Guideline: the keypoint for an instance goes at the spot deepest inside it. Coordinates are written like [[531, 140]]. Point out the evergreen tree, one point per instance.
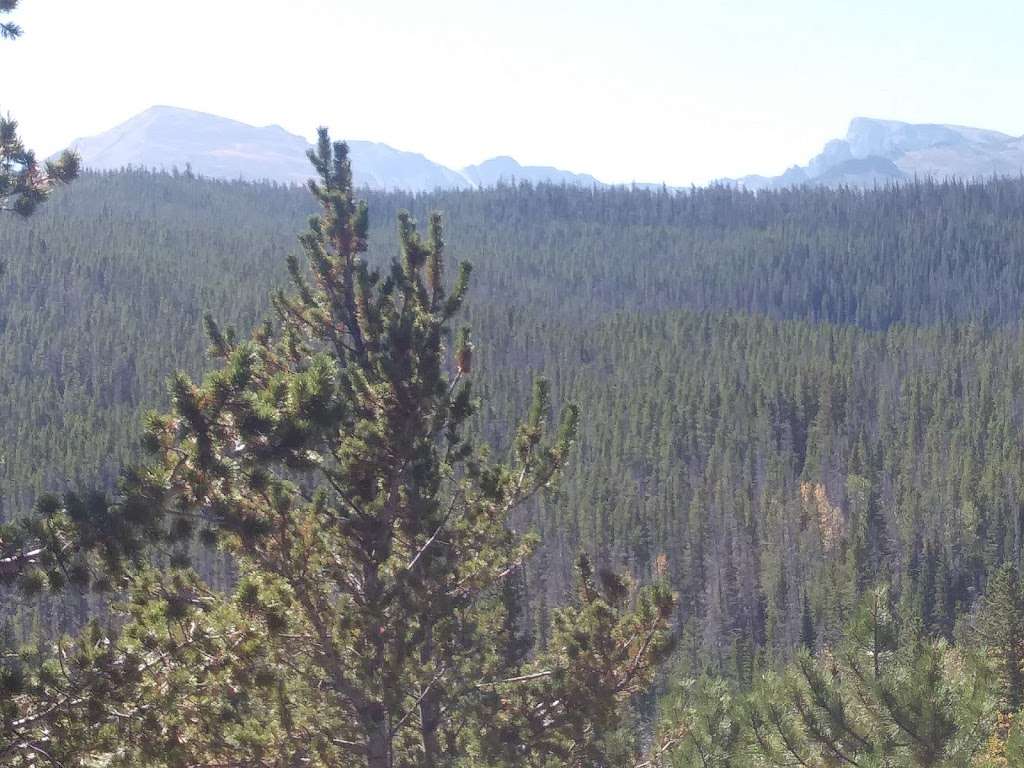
[[874, 701], [58, 698], [329, 455], [808, 638], [705, 727], [567, 710], [699, 421], [1001, 630], [24, 184], [8, 29]]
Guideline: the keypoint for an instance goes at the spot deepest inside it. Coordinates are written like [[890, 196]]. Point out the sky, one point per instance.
[[681, 91]]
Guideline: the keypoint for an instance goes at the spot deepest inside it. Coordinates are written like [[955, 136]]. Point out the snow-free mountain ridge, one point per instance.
[[499, 169], [874, 152], [877, 152], [168, 137]]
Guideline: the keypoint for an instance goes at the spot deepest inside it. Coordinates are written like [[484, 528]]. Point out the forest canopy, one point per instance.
[[801, 418]]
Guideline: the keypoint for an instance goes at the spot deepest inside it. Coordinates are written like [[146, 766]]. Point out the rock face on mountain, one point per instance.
[[169, 137], [884, 151]]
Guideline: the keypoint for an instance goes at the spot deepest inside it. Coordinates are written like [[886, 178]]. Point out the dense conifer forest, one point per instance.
[[800, 411]]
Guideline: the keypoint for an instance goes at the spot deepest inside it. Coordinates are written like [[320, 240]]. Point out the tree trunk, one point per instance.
[[430, 709], [378, 746]]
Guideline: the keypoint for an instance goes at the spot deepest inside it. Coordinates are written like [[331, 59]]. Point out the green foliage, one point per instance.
[[782, 464], [329, 455], [24, 184], [876, 700], [566, 707], [882, 697], [1000, 628], [706, 727], [768, 458]]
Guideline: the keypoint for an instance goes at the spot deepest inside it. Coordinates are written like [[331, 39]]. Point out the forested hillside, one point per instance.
[[790, 395], [103, 298]]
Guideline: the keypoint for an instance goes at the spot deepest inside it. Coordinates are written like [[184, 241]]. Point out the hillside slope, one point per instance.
[[790, 395]]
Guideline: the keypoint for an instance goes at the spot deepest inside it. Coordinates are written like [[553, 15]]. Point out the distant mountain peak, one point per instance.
[[505, 169], [166, 137], [877, 151], [219, 147]]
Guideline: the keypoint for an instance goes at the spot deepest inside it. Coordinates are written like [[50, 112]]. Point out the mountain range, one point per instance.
[[874, 152], [169, 137]]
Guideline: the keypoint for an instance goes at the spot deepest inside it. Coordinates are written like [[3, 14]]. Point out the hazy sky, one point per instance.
[[646, 90]]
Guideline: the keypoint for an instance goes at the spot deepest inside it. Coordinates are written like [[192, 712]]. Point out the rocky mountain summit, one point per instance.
[[877, 152]]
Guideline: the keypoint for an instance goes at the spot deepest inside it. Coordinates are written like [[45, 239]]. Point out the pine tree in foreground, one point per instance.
[[1001, 630], [24, 183], [65, 700], [877, 700], [703, 727], [369, 625], [8, 29]]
